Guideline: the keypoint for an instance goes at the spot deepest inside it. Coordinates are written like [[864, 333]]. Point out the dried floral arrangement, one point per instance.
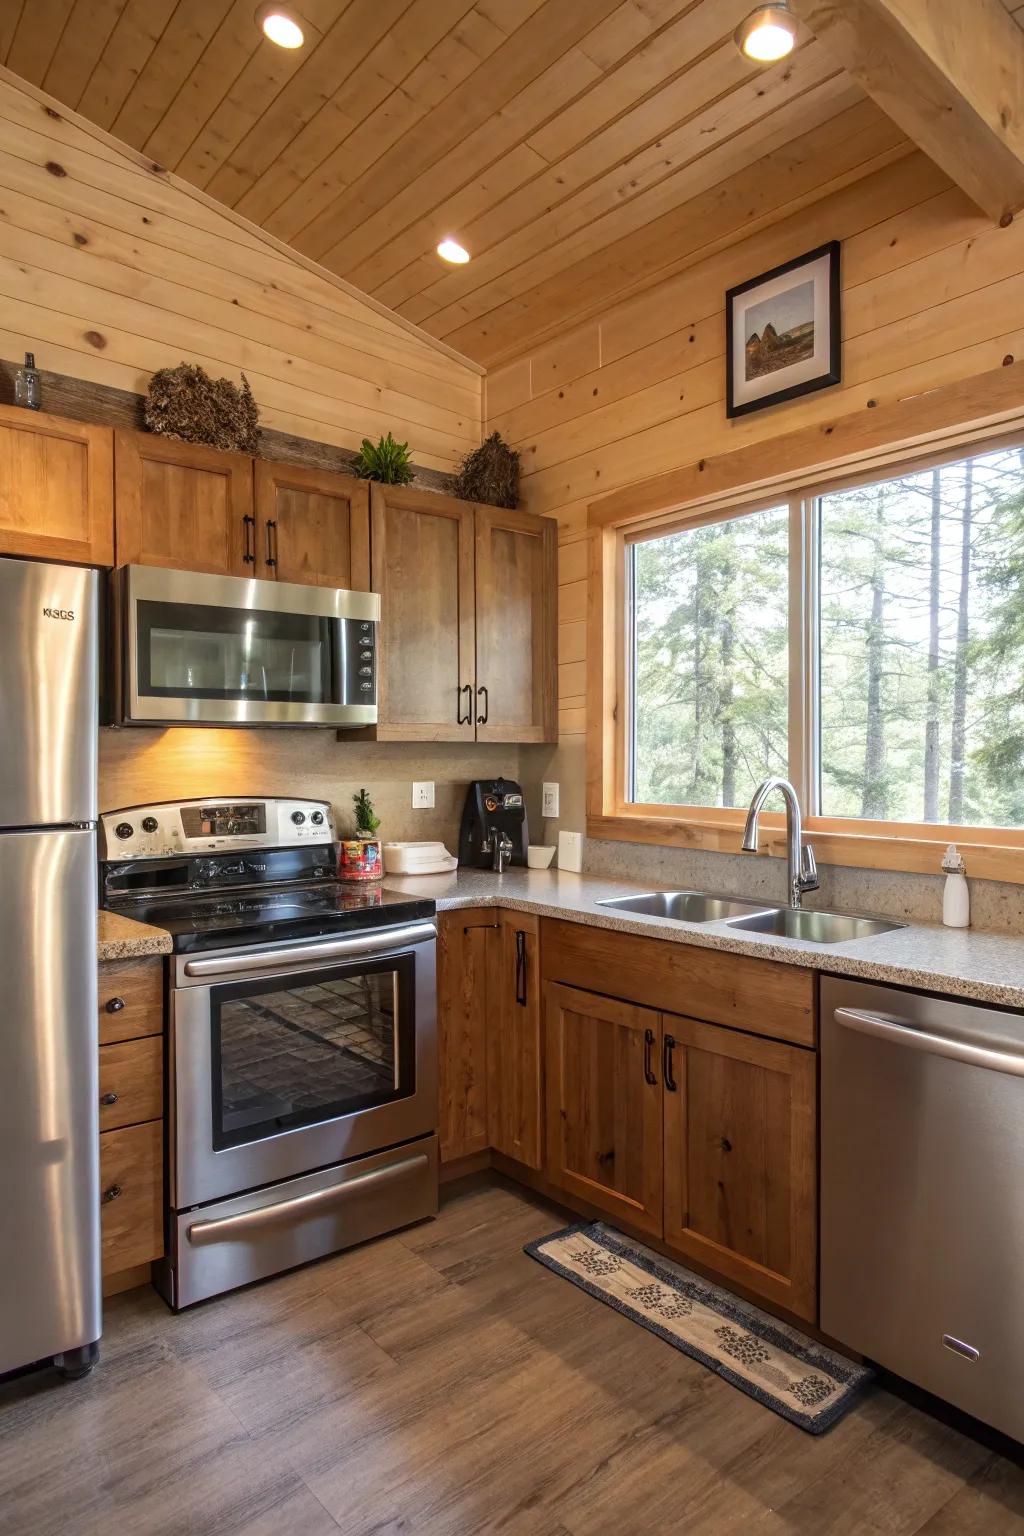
[[185, 403], [490, 474]]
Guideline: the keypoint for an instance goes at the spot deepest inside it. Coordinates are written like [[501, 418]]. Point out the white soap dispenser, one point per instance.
[[956, 898]]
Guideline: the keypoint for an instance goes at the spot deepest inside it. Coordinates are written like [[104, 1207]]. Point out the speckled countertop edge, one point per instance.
[[985, 967], [122, 938]]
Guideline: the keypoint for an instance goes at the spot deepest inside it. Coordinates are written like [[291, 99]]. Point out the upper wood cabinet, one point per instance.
[[604, 1104], [740, 1159], [183, 506], [422, 566], [312, 527], [56, 488], [468, 638], [516, 625]]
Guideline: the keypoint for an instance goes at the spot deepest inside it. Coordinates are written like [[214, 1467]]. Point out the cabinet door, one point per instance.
[[466, 944], [604, 1104], [516, 617], [56, 488], [514, 1057], [183, 506], [422, 566], [740, 1156], [313, 527]]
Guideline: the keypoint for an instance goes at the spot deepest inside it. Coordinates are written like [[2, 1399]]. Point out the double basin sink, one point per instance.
[[752, 916]]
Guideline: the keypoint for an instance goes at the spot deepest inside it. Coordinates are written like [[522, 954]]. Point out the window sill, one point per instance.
[[900, 851]]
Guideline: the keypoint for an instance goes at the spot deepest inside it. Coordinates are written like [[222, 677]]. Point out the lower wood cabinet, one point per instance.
[[489, 1035], [131, 997], [132, 1196], [604, 1104], [514, 1058], [740, 1163]]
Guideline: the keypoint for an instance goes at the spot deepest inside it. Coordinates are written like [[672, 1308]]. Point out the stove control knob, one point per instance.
[[316, 817], [149, 823], [124, 829], [298, 817]]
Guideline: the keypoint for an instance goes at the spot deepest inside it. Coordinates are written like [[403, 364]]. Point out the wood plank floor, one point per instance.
[[439, 1381]]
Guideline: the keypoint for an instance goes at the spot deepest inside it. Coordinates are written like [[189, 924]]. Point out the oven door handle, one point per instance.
[[223, 1229], [243, 963]]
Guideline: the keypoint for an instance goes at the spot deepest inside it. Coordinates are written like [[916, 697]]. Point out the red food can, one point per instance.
[[359, 858]]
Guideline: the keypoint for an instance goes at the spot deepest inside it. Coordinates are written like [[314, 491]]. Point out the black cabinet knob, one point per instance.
[[113, 1193], [108, 1098], [114, 1004]]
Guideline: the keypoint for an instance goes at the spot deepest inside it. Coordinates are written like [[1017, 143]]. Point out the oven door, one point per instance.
[[220, 650], [296, 1056]]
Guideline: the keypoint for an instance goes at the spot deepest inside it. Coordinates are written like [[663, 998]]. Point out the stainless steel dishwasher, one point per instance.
[[922, 1192]]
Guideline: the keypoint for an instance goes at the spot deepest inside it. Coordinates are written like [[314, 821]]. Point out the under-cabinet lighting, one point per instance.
[[280, 27], [450, 250], [768, 33]]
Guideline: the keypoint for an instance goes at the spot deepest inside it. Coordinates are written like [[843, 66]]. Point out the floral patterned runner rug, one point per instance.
[[803, 1381]]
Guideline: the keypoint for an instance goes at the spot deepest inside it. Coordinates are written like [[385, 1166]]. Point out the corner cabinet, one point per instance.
[[468, 619], [489, 1035], [56, 488]]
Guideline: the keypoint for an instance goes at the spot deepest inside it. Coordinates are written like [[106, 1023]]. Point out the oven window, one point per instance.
[[296, 1050], [191, 650]]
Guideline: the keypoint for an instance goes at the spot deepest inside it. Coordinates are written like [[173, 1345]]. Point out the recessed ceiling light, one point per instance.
[[280, 26], [450, 250], [768, 33]]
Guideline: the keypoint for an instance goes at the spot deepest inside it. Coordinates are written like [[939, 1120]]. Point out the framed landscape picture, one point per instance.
[[784, 333]]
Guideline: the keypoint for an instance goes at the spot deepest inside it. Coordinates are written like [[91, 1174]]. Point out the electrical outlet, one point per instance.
[[550, 800], [423, 795], [570, 851]]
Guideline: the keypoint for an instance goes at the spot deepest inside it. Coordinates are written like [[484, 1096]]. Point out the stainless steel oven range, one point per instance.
[[301, 1051]]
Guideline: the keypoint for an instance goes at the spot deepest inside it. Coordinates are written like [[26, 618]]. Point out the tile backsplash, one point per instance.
[[138, 764]]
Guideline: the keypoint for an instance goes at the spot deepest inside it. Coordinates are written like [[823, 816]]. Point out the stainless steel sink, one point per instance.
[[684, 906], [818, 927]]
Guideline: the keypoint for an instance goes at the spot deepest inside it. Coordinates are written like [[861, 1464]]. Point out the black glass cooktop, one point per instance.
[[223, 920]]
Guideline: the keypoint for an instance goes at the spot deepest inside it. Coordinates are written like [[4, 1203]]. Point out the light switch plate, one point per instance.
[[549, 805], [570, 851], [423, 795]]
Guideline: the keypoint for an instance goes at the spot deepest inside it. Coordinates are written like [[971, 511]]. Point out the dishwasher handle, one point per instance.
[[934, 1045]]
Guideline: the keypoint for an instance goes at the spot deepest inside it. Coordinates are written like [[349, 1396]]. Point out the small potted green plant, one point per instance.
[[385, 461], [359, 857]]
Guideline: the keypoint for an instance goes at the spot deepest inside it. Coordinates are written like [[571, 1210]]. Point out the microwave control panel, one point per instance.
[[360, 662], [213, 826]]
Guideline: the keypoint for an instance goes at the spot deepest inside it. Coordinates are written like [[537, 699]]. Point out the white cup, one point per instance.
[[539, 857]]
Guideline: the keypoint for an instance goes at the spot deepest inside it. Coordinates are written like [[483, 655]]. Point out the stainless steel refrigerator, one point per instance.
[[49, 1130]]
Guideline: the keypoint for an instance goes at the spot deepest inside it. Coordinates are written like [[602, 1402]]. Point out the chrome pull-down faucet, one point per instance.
[[801, 869]]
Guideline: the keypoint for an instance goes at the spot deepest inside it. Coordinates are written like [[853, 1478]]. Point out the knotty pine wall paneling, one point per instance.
[[933, 293]]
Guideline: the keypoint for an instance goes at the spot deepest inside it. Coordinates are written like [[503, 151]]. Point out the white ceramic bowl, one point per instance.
[[539, 857]]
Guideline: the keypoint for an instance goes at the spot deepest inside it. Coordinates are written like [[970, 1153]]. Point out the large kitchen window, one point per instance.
[[866, 641]]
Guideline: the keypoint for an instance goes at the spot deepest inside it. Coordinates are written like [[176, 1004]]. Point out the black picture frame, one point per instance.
[[831, 374]]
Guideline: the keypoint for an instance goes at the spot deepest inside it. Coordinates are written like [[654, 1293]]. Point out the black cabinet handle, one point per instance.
[[521, 967], [108, 1098], [666, 1064], [482, 719], [113, 1193], [649, 1076], [466, 688], [271, 542], [249, 525], [114, 1004]]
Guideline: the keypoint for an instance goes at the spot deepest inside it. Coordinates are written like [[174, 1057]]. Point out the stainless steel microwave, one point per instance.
[[195, 649]]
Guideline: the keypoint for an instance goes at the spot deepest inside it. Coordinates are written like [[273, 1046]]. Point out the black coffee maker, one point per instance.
[[493, 832]]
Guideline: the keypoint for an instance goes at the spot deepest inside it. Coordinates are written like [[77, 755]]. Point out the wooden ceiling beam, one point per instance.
[[950, 73]]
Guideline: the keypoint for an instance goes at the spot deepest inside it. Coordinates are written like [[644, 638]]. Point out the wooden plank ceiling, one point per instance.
[[579, 148]]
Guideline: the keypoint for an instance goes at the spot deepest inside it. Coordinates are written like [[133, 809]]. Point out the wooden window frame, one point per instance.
[[912, 847]]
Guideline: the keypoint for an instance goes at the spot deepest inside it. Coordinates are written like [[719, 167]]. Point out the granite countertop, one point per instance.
[[988, 967], [121, 938]]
